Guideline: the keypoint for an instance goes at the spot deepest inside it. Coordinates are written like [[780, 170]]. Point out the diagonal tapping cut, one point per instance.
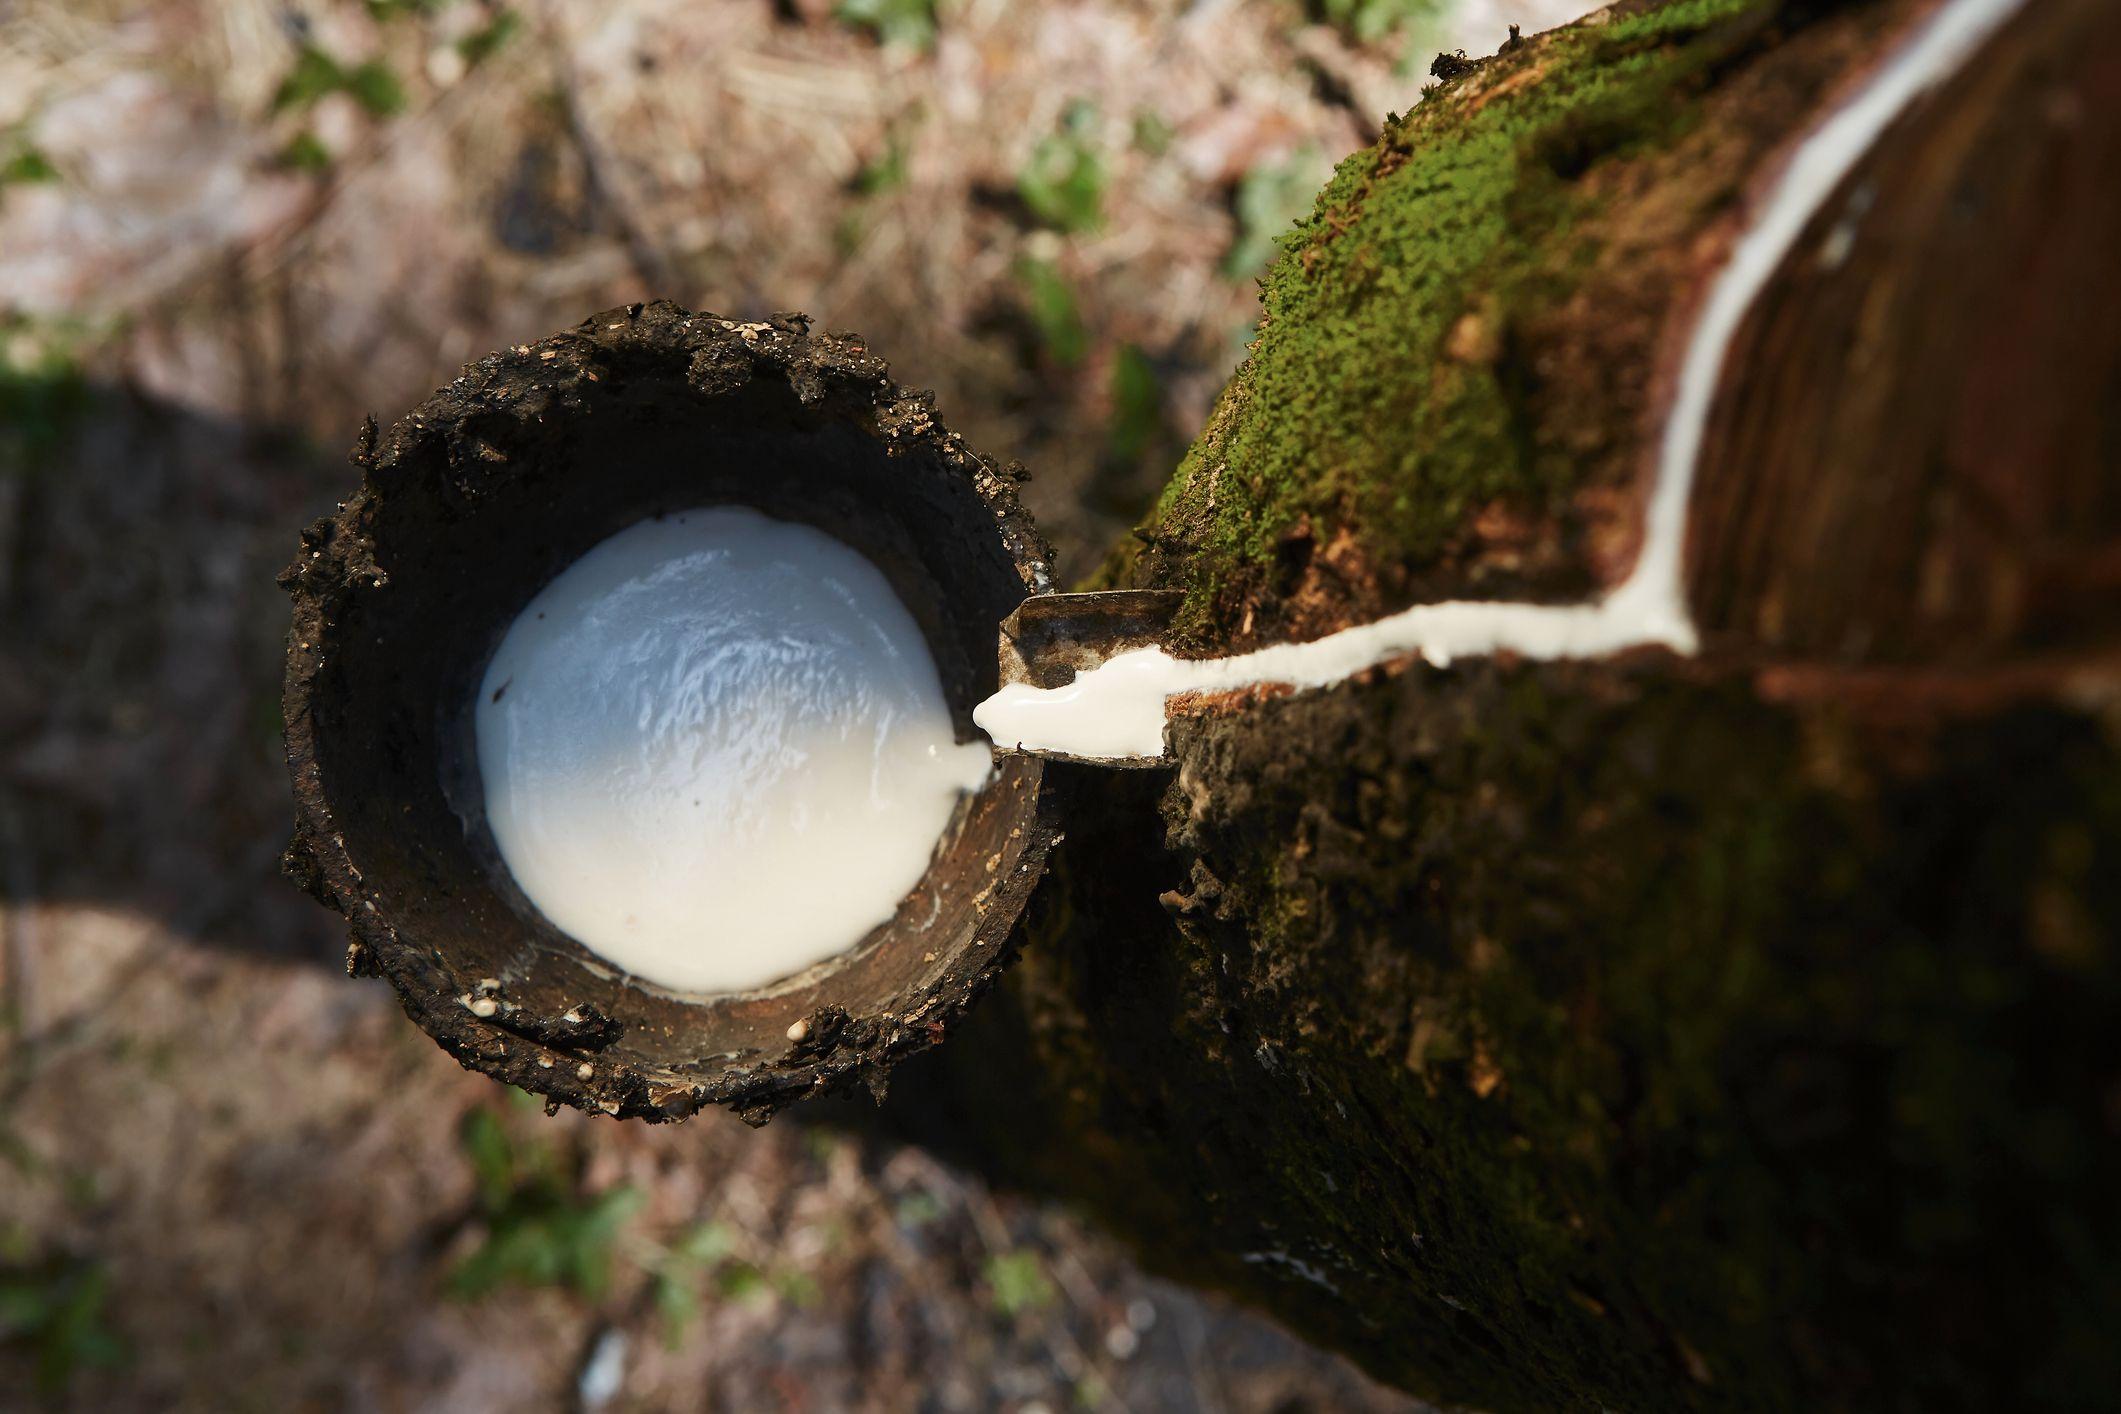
[[1115, 711]]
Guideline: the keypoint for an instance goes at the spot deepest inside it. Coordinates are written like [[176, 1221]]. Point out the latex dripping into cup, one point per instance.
[[678, 727], [629, 714]]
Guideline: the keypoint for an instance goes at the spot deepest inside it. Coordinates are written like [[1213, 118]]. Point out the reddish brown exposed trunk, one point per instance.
[[1913, 460]]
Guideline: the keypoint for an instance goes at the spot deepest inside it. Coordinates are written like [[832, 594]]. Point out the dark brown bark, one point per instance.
[[1740, 1031]]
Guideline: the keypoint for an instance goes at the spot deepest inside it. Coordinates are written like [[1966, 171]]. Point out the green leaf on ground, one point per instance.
[[490, 38], [677, 1301], [906, 23], [1152, 132], [304, 153], [372, 84], [27, 166], [538, 1241], [55, 1311], [1051, 304], [886, 172], [797, 1288], [739, 1281], [1063, 183], [315, 74], [541, 1229], [1019, 1282], [1137, 405], [43, 399], [375, 87]]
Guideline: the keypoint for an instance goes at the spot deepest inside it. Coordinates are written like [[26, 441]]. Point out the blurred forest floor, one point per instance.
[[229, 1178]]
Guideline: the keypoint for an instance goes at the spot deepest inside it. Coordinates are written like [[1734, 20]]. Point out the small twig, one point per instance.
[[605, 192]]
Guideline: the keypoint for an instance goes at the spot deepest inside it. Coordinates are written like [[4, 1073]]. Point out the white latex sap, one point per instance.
[[715, 750], [1117, 709]]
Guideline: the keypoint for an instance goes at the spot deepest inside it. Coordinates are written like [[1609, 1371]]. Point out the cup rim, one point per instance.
[[376, 600]]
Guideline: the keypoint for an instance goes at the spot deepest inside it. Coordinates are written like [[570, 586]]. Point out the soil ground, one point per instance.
[[228, 231]]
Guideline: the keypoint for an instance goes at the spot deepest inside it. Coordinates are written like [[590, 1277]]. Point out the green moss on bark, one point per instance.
[[1407, 377]]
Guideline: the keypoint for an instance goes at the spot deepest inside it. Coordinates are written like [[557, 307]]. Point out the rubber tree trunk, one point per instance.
[[1735, 1030]]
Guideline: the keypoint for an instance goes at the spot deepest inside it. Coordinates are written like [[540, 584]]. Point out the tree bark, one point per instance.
[[1735, 1030]]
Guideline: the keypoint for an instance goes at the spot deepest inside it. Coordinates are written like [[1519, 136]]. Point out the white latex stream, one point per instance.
[[1117, 709]]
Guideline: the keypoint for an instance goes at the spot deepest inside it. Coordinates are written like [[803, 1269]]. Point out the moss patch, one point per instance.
[[1412, 379]]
